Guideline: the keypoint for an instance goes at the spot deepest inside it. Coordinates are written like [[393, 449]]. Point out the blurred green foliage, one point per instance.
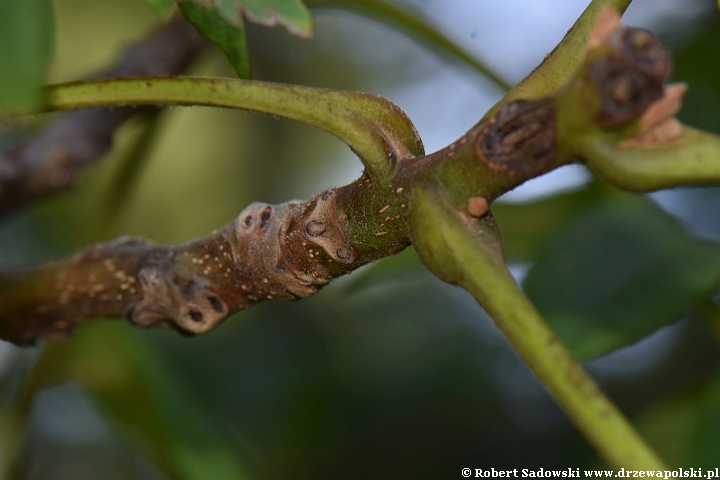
[[386, 374], [292, 14], [701, 106], [617, 272], [162, 7], [227, 37], [685, 426], [132, 387], [26, 36]]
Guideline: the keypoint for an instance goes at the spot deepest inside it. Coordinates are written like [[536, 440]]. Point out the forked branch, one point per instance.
[[612, 113], [288, 251]]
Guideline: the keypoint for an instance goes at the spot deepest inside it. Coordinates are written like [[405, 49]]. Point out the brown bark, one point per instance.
[[270, 252]]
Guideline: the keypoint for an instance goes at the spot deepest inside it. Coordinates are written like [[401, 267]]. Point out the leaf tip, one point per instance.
[[300, 24]]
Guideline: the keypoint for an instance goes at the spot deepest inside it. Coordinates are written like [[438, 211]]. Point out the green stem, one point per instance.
[[692, 159], [466, 252], [562, 63], [594, 414], [373, 127]]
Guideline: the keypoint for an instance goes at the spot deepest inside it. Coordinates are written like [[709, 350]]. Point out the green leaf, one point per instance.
[[140, 397], [26, 35], [414, 25], [228, 38], [162, 8], [617, 273], [292, 14]]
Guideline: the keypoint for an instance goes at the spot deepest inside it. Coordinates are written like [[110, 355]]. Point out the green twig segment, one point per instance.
[[694, 158], [560, 65], [417, 27], [456, 248], [374, 128]]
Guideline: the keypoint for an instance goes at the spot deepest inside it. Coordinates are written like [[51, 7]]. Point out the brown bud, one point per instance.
[[630, 78], [521, 137]]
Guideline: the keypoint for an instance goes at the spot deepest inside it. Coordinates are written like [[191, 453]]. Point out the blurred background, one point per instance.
[[387, 373]]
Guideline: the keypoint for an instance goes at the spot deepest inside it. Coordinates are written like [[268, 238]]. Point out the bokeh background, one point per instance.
[[387, 373]]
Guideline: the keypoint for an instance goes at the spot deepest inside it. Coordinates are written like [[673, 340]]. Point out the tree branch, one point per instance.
[[270, 252], [50, 162], [289, 251], [438, 202]]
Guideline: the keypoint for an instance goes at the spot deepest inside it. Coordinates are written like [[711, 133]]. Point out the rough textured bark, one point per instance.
[[270, 252], [50, 162]]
